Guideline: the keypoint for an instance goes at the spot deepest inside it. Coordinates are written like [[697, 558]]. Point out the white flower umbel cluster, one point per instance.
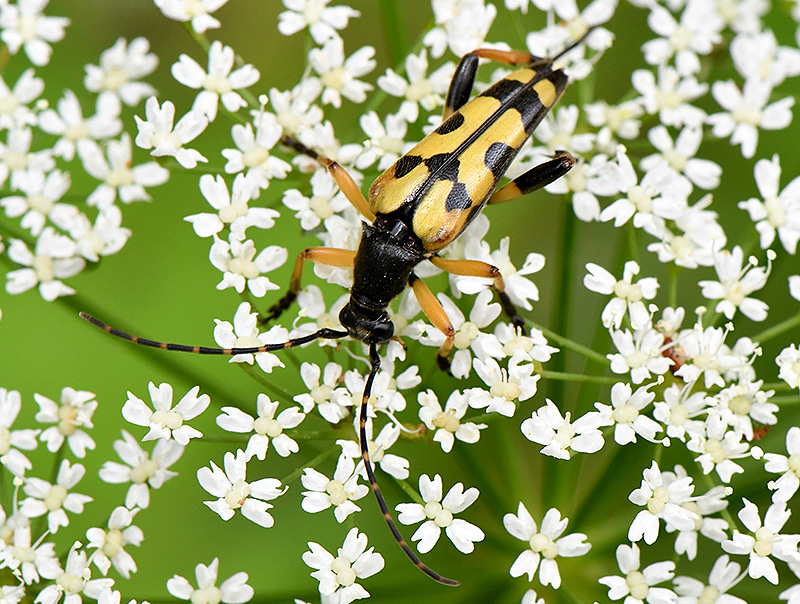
[[634, 375]]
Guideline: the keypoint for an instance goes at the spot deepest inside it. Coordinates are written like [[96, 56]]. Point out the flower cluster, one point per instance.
[[678, 346]]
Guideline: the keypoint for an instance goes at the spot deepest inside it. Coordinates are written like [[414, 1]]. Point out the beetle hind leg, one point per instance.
[[534, 179]]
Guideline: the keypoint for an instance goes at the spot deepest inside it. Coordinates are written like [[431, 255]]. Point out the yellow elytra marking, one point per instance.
[[431, 221], [547, 92]]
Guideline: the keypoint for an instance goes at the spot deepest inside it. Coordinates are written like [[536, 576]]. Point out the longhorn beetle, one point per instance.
[[417, 207]]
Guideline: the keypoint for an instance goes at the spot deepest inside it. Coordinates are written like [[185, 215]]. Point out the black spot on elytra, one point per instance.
[[458, 198], [451, 124], [444, 165], [530, 110], [503, 90], [498, 157], [405, 164]]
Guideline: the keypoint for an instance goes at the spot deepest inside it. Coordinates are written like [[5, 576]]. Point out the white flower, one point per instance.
[[561, 437], [55, 500], [789, 363], [74, 581], [628, 295], [53, 259], [447, 423], [233, 590], [337, 574], [234, 493], [240, 265], [723, 576], [14, 110], [322, 20], [195, 11], [232, 208], [121, 66], [677, 410], [326, 199], [340, 491], [40, 200], [11, 441], [244, 333], [670, 96], [765, 540], [165, 139], [67, 122], [786, 485], [118, 174], [546, 544], [73, 413], [506, 387], [216, 83], [625, 415], [339, 76], [439, 513], [166, 421], [679, 157], [111, 542], [386, 142], [418, 89], [663, 500], [746, 111], [377, 448], [29, 562], [696, 34], [142, 469], [461, 25], [517, 286], [639, 585], [718, 447], [252, 153], [779, 211], [735, 284], [468, 338], [266, 427], [321, 395], [24, 26]]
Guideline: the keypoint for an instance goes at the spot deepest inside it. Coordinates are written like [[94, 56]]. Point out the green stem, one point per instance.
[[778, 329], [791, 399], [298, 472], [395, 33], [579, 377], [570, 345]]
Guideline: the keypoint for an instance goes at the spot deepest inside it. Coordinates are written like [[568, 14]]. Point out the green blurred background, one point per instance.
[[162, 286]]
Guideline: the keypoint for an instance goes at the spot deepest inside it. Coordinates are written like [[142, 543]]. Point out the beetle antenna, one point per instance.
[[575, 44], [322, 334], [375, 365]]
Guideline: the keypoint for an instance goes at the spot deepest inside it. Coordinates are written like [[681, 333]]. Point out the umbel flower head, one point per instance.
[[508, 385]]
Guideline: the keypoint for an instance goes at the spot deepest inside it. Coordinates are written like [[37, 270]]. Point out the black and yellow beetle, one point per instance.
[[417, 207]]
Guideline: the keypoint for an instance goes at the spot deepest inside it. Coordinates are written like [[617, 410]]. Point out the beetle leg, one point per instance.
[[435, 312], [330, 256], [534, 179], [346, 183], [476, 268], [464, 76]]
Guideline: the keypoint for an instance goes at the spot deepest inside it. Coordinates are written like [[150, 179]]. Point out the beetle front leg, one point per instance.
[[345, 182], [435, 312], [476, 268], [329, 256], [534, 179]]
